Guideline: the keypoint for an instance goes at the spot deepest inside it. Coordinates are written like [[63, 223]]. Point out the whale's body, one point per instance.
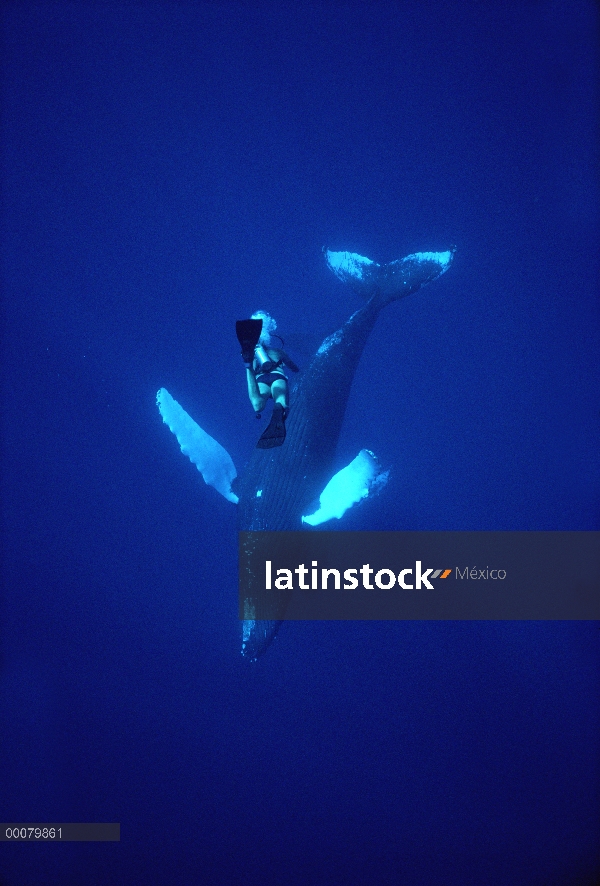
[[279, 485]]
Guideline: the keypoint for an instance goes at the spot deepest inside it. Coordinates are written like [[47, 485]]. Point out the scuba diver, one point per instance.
[[265, 374]]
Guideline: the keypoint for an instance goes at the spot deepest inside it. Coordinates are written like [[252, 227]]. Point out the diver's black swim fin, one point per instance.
[[248, 333], [275, 433]]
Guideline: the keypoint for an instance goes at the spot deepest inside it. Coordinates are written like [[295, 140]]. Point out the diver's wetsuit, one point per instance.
[[275, 370], [267, 378], [273, 374]]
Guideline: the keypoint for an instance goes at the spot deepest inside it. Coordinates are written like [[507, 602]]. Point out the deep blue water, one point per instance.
[[167, 168]]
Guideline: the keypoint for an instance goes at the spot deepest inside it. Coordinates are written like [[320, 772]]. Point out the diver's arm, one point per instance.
[[252, 383], [256, 398]]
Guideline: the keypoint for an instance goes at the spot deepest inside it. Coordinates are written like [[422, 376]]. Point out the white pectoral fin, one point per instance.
[[211, 459], [356, 481]]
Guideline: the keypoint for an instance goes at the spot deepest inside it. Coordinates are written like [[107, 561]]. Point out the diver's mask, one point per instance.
[[265, 364]]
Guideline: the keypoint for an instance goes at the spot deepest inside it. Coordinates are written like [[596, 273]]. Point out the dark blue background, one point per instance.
[[168, 168]]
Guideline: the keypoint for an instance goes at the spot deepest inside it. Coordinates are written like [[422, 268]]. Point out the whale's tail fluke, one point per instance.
[[391, 281]]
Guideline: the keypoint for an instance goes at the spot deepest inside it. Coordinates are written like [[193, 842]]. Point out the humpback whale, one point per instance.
[[279, 485]]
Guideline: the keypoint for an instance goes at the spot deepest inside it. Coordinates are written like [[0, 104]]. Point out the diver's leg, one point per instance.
[[279, 392], [257, 398], [274, 435]]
